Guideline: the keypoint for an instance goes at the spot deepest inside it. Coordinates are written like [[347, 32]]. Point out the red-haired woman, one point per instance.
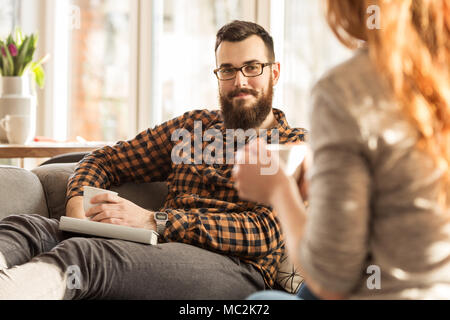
[[378, 221]]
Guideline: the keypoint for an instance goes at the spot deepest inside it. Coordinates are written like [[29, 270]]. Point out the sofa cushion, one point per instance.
[[54, 179], [20, 193]]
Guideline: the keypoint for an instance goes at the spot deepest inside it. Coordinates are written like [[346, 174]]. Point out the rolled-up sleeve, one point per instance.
[[146, 158], [334, 247]]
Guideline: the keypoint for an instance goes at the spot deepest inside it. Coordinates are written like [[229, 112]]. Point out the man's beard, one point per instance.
[[238, 116]]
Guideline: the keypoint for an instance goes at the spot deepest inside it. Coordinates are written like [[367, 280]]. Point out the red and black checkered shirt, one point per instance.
[[203, 207]]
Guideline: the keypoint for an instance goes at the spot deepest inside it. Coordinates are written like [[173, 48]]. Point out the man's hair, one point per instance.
[[240, 30]]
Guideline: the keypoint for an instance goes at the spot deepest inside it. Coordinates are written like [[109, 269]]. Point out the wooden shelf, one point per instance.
[[46, 150]]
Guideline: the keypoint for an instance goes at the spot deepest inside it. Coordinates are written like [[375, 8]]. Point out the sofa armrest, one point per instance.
[[20, 193], [54, 179]]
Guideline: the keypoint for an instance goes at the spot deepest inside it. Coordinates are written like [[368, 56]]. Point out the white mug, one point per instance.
[[17, 128], [89, 193], [292, 156]]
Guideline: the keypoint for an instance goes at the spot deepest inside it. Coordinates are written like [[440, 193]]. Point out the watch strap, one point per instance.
[[160, 227], [161, 224]]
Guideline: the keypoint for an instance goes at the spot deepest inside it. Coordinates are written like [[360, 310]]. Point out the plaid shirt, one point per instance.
[[203, 207]]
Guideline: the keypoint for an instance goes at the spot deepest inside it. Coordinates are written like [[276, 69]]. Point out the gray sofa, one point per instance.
[[42, 191]]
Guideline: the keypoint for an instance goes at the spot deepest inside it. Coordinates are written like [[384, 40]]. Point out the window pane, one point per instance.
[[99, 71], [187, 57], [8, 16], [8, 20], [310, 49]]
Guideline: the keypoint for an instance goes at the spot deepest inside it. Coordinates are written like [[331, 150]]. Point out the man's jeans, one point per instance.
[[100, 268]]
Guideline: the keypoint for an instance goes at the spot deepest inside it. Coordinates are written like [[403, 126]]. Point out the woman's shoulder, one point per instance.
[[355, 98], [353, 80], [356, 86]]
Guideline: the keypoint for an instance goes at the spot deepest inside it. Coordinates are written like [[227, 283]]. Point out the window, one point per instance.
[[120, 66], [131, 64], [309, 50], [185, 40], [186, 58], [9, 13], [8, 16], [99, 70]]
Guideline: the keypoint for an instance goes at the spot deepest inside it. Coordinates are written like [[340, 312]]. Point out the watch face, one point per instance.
[[161, 215]]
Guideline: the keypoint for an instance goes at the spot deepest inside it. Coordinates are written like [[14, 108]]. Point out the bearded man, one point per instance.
[[212, 244]]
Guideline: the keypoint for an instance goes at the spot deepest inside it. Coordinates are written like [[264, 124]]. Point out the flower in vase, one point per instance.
[[16, 58], [13, 50]]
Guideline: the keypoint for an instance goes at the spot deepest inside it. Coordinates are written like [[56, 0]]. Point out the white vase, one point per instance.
[[17, 99]]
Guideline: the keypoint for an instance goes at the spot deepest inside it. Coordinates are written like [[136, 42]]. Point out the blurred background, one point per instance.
[[120, 66]]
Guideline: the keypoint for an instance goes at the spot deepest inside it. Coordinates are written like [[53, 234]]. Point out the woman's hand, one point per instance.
[[116, 210], [303, 179], [260, 181]]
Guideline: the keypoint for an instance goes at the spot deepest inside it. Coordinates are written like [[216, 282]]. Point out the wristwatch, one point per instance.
[[161, 220]]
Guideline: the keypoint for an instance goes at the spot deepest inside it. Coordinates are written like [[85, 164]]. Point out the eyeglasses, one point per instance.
[[248, 70]]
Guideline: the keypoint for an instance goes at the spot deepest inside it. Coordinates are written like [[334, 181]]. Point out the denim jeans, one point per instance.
[[117, 269], [303, 294]]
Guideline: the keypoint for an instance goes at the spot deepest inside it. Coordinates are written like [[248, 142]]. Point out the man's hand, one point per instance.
[[116, 210]]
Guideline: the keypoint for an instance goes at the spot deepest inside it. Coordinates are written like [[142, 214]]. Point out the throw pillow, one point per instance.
[[288, 275]]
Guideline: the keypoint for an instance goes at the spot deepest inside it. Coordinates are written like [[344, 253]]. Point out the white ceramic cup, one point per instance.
[[292, 156], [17, 128], [89, 193]]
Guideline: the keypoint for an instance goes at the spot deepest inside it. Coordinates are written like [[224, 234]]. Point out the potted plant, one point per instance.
[[17, 68]]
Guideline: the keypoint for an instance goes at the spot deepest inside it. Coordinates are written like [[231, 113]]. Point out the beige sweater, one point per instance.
[[373, 195]]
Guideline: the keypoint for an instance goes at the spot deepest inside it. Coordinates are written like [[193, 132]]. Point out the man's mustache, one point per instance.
[[238, 91]]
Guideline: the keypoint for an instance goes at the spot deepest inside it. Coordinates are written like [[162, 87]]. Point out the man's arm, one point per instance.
[[143, 159], [74, 208], [126, 161]]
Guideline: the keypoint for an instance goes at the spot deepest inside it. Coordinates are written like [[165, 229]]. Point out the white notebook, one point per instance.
[[107, 230]]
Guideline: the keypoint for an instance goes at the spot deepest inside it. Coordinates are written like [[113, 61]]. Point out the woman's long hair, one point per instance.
[[412, 49]]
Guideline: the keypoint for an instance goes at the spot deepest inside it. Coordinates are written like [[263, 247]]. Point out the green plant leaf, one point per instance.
[[7, 62], [26, 68], [1, 59], [10, 62], [4, 61], [39, 74], [35, 40], [9, 40], [19, 37], [22, 56]]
